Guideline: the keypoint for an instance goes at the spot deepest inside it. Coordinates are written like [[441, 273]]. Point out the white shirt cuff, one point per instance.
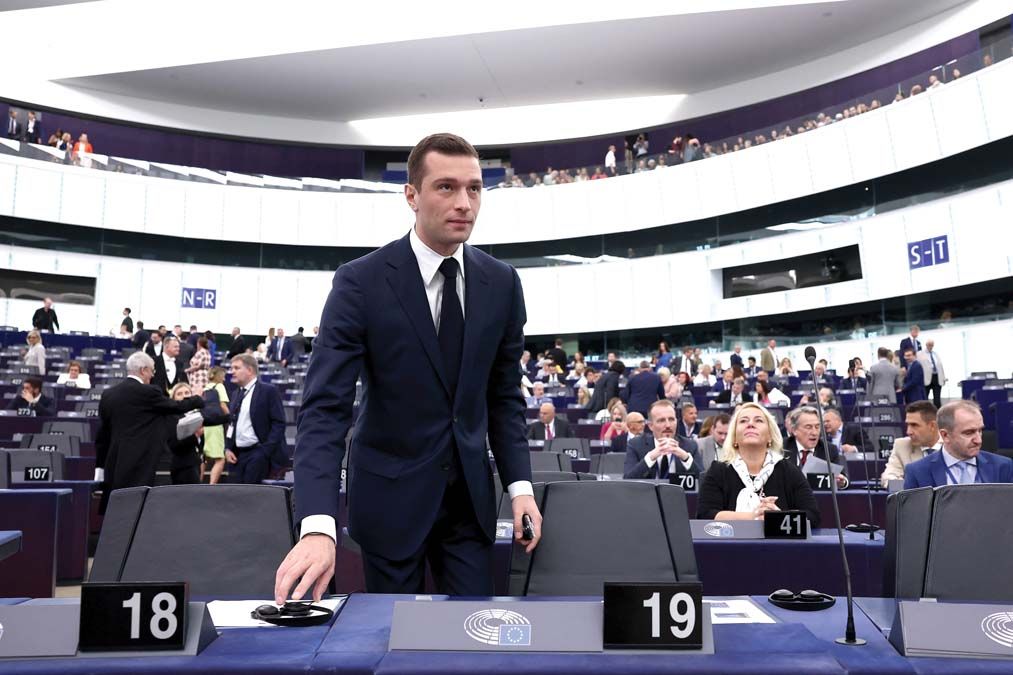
[[649, 462], [688, 462], [519, 488], [100, 475], [320, 524]]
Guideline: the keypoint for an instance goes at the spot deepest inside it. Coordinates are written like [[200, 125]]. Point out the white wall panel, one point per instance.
[[570, 209], [870, 146], [279, 217], [753, 177], [680, 196], [125, 204], [8, 176], [829, 166], [542, 299], [957, 105], [204, 211], [913, 131], [642, 199], [242, 213], [789, 168], [997, 99], [165, 207], [38, 193], [605, 205], [534, 216], [83, 199], [716, 185], [318, 220]]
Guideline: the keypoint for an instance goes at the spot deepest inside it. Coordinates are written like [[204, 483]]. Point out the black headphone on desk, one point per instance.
[[806, 601], [293, 614]]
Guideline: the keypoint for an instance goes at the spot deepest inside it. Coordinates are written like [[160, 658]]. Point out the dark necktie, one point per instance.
[[805, 456], [239, 404], [451, 324], [663, 467]]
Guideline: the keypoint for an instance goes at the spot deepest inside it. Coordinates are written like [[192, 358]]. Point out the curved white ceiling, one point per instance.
[[328, 72]]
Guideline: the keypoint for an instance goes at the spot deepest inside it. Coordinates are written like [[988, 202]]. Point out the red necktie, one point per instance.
[[548, 432], [805, 456]]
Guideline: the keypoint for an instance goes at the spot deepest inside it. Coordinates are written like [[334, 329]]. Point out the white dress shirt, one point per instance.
[[245, 435], [170, 368], [432, 280], [688, 462]]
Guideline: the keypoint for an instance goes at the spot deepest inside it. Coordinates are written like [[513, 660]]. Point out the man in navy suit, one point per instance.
[[911, 341], [642, 390], [735, 359], [280, 349], [256, 438], [961, 459], [914, 379], [661, 453], [435, 329]]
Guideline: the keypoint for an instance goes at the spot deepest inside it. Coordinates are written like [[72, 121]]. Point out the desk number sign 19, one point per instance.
[[653, 616]]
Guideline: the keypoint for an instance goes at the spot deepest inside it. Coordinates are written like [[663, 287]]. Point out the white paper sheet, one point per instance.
[[737, 610], [236, 613]]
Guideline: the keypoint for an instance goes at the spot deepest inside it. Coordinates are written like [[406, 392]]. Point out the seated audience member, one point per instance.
[[583, 397], [260, 354], [819, 373], [704, 377], [673, 390], [844, 437], [961, 461], [688, 425], [736, 395], [856, 376], [616, 424], [712, 438], [806, 443], [768, 394], [186, 458], [35, 355], [922, 439], [726, 381], [660, 454], [74, 377], [548, 425], [643, 389], [785, 368], [751, 475], [33, 400], [826, 398], [751, 369], [577, 376], [606, 387], [634, 427], [685, 380], [550, 373], [538, 396]]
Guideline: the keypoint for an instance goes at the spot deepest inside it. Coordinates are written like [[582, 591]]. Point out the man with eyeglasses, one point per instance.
[[136, 421]]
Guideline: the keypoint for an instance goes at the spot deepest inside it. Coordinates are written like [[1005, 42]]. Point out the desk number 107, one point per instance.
[[680, 608], [162, 605]]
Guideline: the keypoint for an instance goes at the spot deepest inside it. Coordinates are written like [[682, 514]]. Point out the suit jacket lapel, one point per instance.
[[938, 467], [985, 469], [476, 298], [406, 282]]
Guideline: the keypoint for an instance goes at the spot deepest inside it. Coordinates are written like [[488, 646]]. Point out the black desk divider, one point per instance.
[[46, 629]]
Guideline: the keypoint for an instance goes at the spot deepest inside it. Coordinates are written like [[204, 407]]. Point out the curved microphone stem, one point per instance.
[[871, 525], [850, 636]]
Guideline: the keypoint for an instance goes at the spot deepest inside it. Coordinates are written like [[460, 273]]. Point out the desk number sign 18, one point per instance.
[[653, 616], [133, 616]]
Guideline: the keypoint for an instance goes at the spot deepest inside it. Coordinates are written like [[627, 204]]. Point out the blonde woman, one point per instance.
[[214, 436], [616, 426], [749, 478], [35, 357], [673, 389], [186, 452]]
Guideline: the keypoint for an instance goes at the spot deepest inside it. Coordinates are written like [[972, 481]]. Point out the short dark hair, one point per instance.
[[443, 143], [618, 367], [140, 324], [926, 409], [34, 382], [751, 359], [127, 310], [883, 352], [720, 418]]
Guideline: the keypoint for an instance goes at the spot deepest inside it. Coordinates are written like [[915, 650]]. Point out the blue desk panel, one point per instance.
[[72, 554], [10, 543], [32, 572]]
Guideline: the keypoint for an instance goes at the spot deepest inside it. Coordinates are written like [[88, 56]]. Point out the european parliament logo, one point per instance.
[[998, 628], [499, 627]]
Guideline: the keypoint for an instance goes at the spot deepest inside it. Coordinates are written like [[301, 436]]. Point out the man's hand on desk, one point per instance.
[[525, 504], [313, 560]]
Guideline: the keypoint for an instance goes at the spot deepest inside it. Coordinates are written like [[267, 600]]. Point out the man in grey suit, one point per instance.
[[884, 378], [709, 447]]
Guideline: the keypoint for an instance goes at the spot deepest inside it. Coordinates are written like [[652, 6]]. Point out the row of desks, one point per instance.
[[357, 640]]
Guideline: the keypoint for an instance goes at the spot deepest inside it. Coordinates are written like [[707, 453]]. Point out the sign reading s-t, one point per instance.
[[928, 252], [201, 298]]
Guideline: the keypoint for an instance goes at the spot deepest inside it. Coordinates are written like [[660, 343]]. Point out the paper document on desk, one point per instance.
[[737, 610], [236, 613], [188, 425]]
